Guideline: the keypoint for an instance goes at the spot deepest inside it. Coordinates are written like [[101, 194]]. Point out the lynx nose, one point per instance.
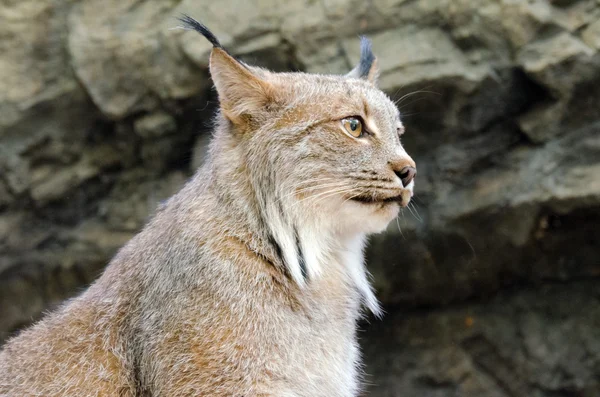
[[406, 174]]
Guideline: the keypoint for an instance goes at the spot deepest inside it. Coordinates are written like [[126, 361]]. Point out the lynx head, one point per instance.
[[323, 152]]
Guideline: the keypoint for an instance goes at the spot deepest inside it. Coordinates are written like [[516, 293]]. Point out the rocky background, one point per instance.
[[491, 281]]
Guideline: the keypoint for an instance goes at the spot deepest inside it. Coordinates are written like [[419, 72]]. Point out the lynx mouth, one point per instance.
[[366, 199]]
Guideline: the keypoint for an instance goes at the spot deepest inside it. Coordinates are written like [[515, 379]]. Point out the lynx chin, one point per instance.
[[250, 280]]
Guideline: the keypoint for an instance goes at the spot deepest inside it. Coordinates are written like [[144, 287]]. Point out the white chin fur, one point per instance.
[[355, 217]]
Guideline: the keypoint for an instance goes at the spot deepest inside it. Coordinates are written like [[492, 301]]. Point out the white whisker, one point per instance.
[[340, 192], [326, 193], [315, 187], [398, 101], [414, 206], [399, 228]]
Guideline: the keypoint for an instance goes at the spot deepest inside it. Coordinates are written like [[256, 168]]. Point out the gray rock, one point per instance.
[[591, 35], [525, 343], [155, 125], [407, 56]]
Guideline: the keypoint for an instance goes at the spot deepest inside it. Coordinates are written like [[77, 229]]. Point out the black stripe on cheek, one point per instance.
[[277, 247], [279, 253], [301, 260]]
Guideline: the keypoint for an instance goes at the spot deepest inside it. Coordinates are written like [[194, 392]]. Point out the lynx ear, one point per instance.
[[367, 68], [241, 91]]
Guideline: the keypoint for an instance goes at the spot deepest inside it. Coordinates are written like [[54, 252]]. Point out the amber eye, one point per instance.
[[353, 126]]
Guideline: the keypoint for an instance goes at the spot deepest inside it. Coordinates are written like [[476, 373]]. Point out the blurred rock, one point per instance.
[[591, 35], [105, 111], [408, 56], [537, 343], [155, 125]]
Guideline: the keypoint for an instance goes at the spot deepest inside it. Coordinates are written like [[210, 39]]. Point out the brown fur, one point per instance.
[[249, 282]]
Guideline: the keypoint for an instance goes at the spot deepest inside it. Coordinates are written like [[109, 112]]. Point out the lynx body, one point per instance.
[[250, 280]]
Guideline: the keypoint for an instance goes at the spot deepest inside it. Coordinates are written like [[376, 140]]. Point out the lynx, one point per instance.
[[251, 279]]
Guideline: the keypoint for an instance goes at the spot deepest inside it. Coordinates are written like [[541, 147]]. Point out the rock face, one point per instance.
[[526, 342], [105, 111]]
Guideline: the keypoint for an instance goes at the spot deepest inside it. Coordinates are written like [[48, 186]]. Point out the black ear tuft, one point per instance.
[[366, 58], [190, 23]]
